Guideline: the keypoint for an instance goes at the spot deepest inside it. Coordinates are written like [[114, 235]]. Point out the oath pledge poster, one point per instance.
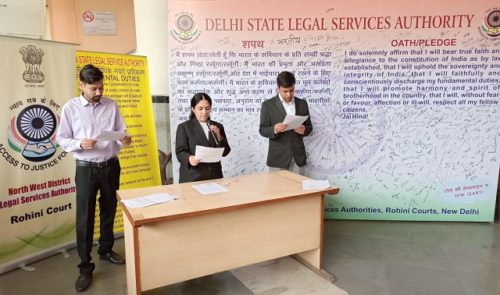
[[403, 97]]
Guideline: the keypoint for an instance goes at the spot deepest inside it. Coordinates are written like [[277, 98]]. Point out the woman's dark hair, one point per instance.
[[196, 99], [90, 74], [285, 79]]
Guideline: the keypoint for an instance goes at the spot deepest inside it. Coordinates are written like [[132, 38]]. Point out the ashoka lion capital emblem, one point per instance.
[[32, 58]]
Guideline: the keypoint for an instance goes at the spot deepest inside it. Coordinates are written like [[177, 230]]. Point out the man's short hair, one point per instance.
[[286, 79], [90, 74]]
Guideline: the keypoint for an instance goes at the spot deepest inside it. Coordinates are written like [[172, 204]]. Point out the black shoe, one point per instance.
[[83, 282], [112, 257]]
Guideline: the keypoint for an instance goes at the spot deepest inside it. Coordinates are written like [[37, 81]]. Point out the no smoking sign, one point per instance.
[[88, 16]]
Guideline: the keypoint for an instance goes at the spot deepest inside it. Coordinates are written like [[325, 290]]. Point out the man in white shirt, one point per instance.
[[83, 118]]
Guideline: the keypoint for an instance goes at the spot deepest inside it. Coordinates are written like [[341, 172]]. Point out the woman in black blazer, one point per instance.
[[199, 130]]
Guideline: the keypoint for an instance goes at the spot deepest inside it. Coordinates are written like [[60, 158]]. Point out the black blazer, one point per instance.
[[283, 146], [189, 134]]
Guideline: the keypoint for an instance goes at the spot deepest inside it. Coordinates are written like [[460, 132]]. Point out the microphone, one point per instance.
[[209, 123]]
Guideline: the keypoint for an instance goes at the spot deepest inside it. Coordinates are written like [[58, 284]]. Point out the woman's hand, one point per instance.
[[216, 130]]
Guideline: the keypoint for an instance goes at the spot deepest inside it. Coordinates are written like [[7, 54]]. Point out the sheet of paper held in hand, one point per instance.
[[148, 200], [209, 188], [310, 184], [294, 121], [110, 136], [208, 154]]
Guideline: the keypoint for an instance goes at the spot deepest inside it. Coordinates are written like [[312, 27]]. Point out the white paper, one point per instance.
[[209, 188], [110, 136], [148, 200], [310, 184], [294, 121], [208, 154]]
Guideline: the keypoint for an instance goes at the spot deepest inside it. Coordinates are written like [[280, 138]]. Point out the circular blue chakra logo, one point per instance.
[[32, 133], [491, 23], [185, 29]]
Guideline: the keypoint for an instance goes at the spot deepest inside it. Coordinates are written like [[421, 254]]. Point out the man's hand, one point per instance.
[[126, 140], [300, 130], [87, 143], [193, 161], [280, 127]]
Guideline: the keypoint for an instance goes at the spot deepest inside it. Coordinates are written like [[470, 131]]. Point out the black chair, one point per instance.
[[164, 160]]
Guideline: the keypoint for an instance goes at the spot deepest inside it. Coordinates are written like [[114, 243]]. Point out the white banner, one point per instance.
[[403, 97], [37, 197]]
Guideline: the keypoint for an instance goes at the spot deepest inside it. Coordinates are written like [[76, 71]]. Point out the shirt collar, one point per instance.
[[85, 102], [283, 101]]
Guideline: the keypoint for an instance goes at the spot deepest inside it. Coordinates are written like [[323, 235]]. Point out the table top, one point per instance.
[[243, 191]]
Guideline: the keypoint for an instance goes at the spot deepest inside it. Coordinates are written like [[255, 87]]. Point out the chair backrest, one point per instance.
[[164, 160]]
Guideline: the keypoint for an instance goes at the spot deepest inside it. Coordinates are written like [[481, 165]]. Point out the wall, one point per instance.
[[152, 33], [66, 24], [22, 18], [145, 18]]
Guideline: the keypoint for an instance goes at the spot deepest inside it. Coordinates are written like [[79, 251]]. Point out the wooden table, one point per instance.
[[263, 216]]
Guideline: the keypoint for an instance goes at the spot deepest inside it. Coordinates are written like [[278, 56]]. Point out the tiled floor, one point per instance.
[[406, 258], [367, 257]]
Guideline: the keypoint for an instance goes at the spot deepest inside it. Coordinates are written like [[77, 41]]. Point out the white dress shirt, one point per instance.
[[81, 119], [289, 106], [204, 125]]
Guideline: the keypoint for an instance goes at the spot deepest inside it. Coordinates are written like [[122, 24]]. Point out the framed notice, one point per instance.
[[95, 22]]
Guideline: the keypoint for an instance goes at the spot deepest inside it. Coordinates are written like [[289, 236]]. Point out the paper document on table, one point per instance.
[[310, 184], [209, 188], [208, 154], [110, 135], [294, 121], [148, 200]]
